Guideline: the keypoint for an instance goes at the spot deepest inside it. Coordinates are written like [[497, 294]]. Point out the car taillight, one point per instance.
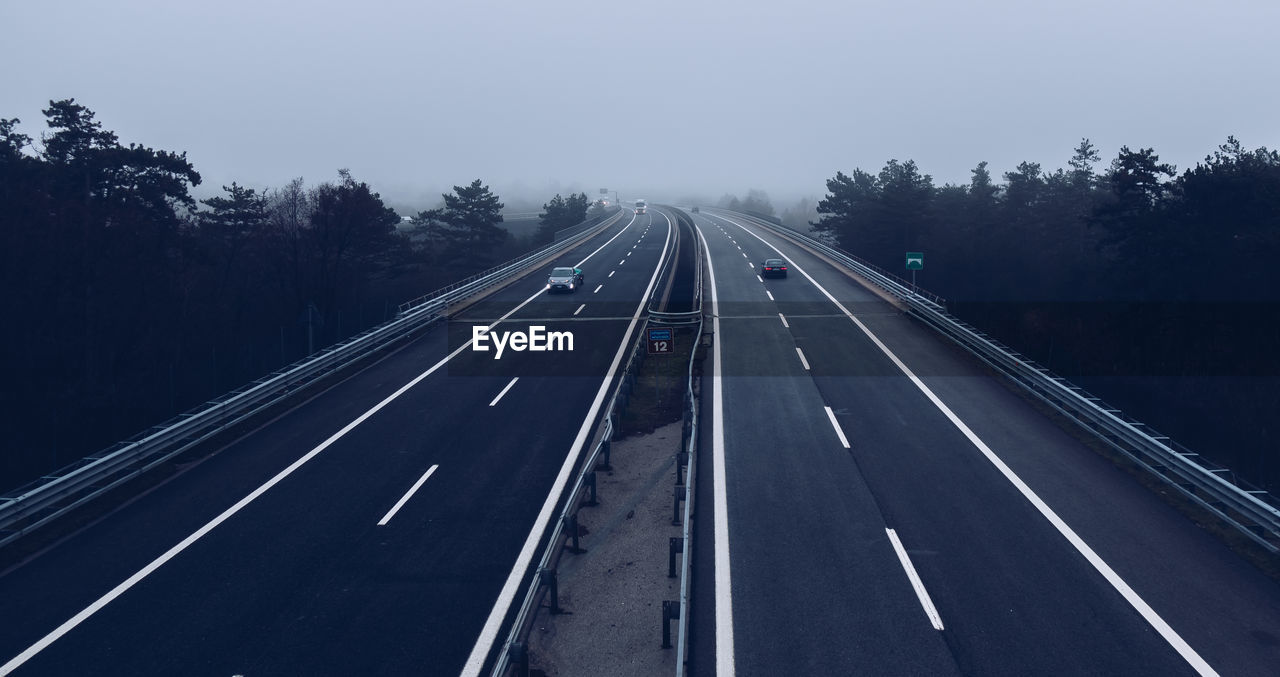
[[783, 268], [768, 268]]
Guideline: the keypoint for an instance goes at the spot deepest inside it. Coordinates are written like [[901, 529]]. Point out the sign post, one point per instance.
[[915, 261]]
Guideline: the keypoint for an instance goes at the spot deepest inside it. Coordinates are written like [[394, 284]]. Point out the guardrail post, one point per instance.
[[548, 578], [519, 655], [606, 447], [590, 481], [675, 546], [682, 460], [670, 611], [675, 513], [571, 523]]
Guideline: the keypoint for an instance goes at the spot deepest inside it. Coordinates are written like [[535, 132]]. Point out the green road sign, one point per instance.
[[915, 260]]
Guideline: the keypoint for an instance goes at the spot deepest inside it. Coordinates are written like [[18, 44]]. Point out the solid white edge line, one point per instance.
[[1140, 605], [579, 309], [597, 291], [412, 490], [720, 503], [831, 415], [84, 614], [504, 390], [802, 360], [929, 610], [784, 320], [489, 633]]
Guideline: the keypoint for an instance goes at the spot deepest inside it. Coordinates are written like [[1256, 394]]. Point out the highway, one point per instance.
[[870, 501], [876, 503], [381, 527]]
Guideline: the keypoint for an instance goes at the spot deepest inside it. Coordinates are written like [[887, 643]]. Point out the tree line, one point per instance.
[[130, 301], [1154, 288]]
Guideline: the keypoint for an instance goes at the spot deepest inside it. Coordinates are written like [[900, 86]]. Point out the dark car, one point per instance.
[[695, 210], [773, 268], [564, 279]]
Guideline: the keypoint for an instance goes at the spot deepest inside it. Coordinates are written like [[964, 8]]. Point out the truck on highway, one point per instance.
[[640, 206]]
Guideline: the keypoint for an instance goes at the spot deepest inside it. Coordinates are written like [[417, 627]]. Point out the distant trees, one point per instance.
[[799, 214], [561, 213], [130, 301], [1132, 270], [465, 230], [757, 202], [353, 236]]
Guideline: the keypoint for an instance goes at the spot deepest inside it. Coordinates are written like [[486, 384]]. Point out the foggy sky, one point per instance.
[[661, 99]]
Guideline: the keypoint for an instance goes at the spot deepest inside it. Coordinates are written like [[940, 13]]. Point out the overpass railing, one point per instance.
[[1251, 511]]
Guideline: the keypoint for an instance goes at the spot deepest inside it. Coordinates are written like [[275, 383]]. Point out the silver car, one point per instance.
[[564, 279]]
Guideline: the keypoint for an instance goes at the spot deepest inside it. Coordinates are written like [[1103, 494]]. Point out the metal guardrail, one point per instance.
[[687, 458], [37, 503], [694, 315], [514, 651], [690, 453], [1251, 511]]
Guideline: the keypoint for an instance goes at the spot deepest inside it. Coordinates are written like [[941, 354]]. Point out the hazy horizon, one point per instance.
[[666, 100]]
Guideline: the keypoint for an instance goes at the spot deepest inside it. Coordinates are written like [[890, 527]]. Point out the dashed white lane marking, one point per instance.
[[836, 424], [744, 254], [803, 362], [784, 321], [416, 485], [513, 382], [622, 261], [597, 290], [929, 609], [760, 278], [769, 294], [752, 266], [612, 272], [579, 309], [1100, 565], [84, 614]]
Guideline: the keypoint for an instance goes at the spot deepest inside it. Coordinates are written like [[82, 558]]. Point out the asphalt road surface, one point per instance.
[[382, 527], [876, 503]]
